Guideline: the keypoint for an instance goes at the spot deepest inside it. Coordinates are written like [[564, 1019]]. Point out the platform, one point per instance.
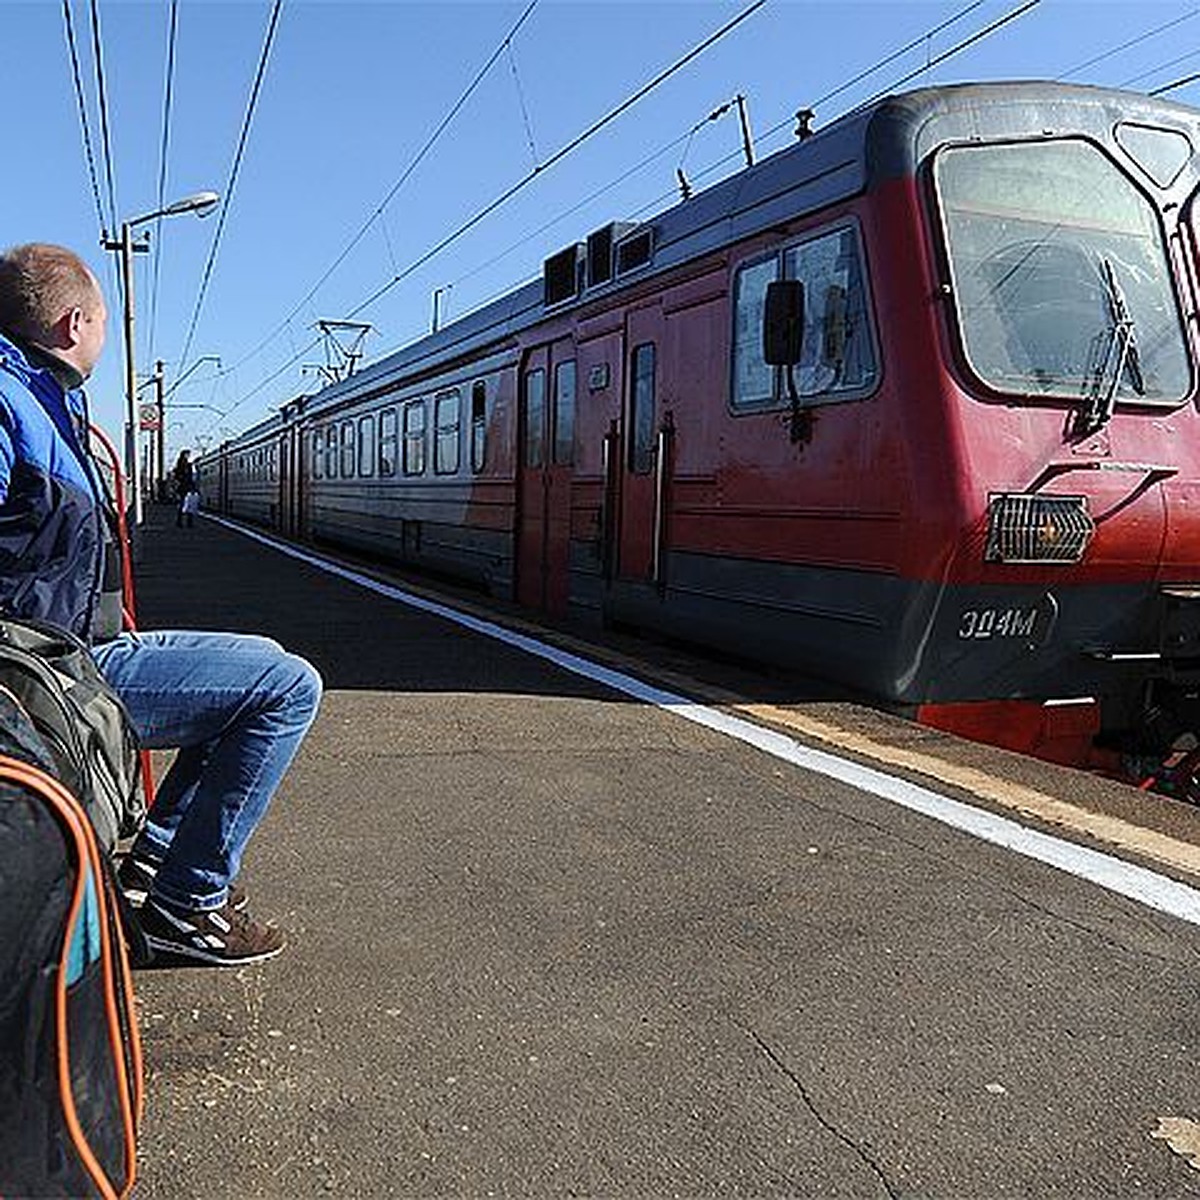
[[547, 940]]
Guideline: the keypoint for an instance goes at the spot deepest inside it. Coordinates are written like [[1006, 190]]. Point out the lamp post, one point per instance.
[[201, 204]]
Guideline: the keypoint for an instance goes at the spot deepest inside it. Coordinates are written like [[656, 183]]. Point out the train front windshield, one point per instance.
[[1060, 274]]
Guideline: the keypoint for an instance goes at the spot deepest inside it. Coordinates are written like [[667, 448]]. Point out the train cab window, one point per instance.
[[331, 455], [347, 449], [1060, 275], [564, 413], [754, 381], [414, 438], [366, 447], [447, 408], [387, 442], [641, 409], [478, 425], [837, 354], [535, 417]]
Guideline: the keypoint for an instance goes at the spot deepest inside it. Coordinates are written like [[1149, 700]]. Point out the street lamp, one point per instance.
[[202, 203]]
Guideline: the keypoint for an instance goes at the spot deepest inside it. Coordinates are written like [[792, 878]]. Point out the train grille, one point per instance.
[[1024, 528]]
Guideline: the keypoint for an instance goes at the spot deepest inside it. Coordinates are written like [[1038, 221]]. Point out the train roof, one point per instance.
[[885, 139]]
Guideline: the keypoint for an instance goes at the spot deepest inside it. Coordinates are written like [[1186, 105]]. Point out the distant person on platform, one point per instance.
[[186, 489], [236, 707]]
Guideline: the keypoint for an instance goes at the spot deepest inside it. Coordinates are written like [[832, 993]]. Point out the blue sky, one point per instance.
[[351, 93]]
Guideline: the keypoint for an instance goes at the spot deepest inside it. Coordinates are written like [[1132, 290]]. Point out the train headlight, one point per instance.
[[1025, 528]]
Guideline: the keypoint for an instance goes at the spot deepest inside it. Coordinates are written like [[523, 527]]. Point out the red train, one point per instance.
[[910, 405]]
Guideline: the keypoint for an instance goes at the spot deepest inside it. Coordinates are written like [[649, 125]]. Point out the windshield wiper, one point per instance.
[[1120, 357]]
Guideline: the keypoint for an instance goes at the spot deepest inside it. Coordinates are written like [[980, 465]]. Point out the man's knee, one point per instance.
[[297, 686]]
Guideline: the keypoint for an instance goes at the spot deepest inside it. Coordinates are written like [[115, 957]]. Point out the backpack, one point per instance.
[[70, 1057], [82, 722]]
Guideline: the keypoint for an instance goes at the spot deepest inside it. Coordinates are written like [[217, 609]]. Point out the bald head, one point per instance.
[[50, 298]]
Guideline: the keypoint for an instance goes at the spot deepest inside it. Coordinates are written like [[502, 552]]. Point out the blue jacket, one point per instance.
[[53, 509]]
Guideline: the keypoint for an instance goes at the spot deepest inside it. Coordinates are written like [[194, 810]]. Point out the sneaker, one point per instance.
[[136, 877], [223, 937]]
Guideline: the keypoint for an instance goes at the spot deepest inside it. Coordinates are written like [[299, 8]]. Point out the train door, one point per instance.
[[642, 464], [291, 480], [283, 481], [546, 427]]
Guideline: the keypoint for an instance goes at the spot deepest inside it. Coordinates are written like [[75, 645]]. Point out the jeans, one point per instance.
[[237, 707]]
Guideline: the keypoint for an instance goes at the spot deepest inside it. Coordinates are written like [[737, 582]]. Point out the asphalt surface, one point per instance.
[[547, 941]]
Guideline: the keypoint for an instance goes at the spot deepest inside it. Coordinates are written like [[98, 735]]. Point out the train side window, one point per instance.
[[331, 451], [366, 447], [347, 449], [837, 354], [564, 413], [535, 417], [641, 409], [478, 425], [387, 442], [754, 381], [447, 421], [414, 438]]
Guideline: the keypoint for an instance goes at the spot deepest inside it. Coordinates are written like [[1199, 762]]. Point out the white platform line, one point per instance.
[[1114, 874]]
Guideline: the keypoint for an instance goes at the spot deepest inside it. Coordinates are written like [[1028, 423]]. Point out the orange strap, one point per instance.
[[67, 808]]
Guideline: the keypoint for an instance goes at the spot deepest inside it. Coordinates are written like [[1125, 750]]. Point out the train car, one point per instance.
[[910, 405]]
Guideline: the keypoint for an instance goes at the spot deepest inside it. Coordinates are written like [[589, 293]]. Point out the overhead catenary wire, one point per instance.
[[987, 31], [527, 179], [512, 62], [164, 144], [1162, 66], [957, 48], [408, 170], [576, 207], [924, 39], [1178, 83], [561, 153], [251, 104], [83, 117], [686, 140], [102, 104], [621, 108], [971, 40], [1135, 41]]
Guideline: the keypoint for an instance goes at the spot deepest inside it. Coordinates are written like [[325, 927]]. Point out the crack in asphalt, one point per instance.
[[823, 1121]]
